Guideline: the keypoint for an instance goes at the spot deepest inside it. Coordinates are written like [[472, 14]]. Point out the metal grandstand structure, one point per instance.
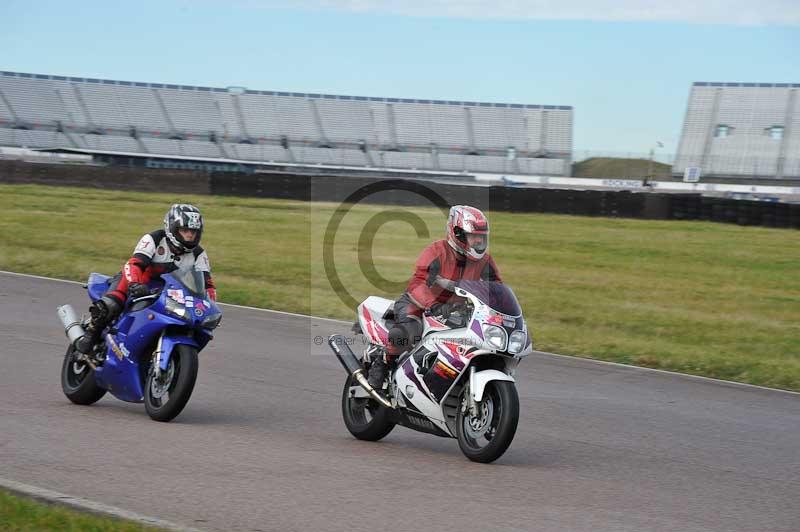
[[742, 130], [124, 117]]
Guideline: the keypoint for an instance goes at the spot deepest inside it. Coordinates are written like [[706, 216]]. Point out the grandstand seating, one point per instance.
[[347, 120], [107, 143], [170, 120], [396, 159], [31, 138], [742, 130]]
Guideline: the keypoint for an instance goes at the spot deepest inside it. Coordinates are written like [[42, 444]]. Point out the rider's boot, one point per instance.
[[103, 312], [378, 371]]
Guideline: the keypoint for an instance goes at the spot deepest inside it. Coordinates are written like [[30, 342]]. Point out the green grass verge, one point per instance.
[[709, 299], [19, 514]]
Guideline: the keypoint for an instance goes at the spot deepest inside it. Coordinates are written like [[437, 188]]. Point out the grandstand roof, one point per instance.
[[734, 84], [280, 93], [50, 111]]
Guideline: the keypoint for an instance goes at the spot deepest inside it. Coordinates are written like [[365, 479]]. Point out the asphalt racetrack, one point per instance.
[[261, 444]]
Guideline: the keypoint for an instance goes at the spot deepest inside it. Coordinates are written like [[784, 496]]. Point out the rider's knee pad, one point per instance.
[[402, 337], [105, 309], [398, 338], [113, 307]]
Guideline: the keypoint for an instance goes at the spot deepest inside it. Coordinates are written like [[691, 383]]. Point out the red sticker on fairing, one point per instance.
[[176, 295], [494, 319]]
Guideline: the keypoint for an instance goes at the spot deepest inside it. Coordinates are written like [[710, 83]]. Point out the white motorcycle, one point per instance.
[[457, 382]]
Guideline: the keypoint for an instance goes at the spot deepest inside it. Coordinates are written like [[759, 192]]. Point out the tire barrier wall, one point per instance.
[[105, 177], [612, 204]]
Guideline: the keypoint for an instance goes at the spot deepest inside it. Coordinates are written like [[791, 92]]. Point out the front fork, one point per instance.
[[471, 404], [477, 385], [157, 356], [165, 349]]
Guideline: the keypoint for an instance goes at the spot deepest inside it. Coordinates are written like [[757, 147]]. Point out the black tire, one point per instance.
[[77, 380], [501, 399], [177, 387], [366, 419]]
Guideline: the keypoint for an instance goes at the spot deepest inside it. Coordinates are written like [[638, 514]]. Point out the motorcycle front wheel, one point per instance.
[[77, 380], [166, 395], [366, 419], [485, 435]]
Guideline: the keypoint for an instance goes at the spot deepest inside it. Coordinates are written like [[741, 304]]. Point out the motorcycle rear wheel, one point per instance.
[[77, 380], [366, 419], [485, 437]]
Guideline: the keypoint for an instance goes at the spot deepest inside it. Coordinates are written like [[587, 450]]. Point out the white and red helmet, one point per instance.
[[468, 231]]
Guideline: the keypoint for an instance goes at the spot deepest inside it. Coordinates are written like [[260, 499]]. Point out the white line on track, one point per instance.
[[85, 505], [556, 355], [222, 304], [675, 373]]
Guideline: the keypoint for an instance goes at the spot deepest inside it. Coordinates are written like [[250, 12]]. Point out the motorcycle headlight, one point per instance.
[[176, 309], [495, 336], [212, 321], [516, 342]]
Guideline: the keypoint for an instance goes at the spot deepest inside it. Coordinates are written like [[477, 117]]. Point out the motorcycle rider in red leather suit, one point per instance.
[[461, 255]]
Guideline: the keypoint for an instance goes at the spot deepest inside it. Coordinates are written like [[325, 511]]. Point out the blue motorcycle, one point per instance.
[[150, 353]]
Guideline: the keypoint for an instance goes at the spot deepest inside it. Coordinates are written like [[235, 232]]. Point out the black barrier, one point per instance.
[[612, 204], [335, 188]]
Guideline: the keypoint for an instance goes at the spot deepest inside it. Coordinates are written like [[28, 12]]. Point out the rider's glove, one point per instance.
[[440, 309], [98, 310], [447, 284], [138, 290]]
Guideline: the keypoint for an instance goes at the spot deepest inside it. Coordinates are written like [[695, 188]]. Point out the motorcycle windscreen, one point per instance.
[[496, 295], [192, 280]]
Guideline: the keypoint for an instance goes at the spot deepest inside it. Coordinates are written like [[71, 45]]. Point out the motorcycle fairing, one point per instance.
[[480, 379], [167, 347], [120, 375], [439, 378], [97, 285], [133, 338], [408, 382], [370, 316], [412, 417]]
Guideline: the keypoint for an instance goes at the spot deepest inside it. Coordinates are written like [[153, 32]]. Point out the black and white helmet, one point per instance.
[[183, 216]]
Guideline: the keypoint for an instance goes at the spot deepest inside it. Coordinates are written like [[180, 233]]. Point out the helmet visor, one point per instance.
[[189, 235], [478, 241]]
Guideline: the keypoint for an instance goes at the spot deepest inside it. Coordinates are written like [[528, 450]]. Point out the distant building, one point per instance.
[[742, 130]]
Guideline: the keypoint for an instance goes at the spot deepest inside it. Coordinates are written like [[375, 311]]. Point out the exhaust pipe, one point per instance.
[[71, 322], [353, 367]]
